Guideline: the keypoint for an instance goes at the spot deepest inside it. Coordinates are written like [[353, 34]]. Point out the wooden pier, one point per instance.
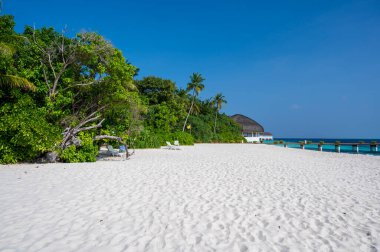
[[373, 146]]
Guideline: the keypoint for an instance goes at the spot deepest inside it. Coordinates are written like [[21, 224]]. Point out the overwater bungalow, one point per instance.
[[251, 130]]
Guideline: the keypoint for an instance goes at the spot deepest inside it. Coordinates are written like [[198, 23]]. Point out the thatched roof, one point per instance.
[[247, 124]]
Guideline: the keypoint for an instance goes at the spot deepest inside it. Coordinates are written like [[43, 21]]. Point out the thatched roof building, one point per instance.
[[247, 124]]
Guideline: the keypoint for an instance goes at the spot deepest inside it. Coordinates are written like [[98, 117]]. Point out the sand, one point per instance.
[[222, 197]]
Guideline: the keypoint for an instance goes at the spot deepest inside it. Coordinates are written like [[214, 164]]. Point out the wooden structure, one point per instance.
[[251, 130], [373, 146]]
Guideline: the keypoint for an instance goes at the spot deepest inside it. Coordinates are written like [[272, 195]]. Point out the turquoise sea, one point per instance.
[[330, 147]]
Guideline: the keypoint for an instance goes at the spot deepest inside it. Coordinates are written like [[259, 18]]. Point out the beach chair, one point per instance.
[[171, 147], [114, 152], [124, 149], [176, 144]]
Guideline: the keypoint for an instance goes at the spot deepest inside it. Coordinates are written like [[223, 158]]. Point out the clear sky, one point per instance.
[[300, 68]]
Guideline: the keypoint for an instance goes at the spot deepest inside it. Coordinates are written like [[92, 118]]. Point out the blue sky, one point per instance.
[[300, 68]]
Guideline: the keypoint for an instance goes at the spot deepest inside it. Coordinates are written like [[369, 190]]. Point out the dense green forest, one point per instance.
[[69, 95]]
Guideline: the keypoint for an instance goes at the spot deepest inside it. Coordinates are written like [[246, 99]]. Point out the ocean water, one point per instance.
[[330, 147]]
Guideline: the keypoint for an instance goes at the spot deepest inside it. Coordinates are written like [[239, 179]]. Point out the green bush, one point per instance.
[[25, 133], [147, 139], [151, 139], [184, 138], [87, 152], [321, 143]]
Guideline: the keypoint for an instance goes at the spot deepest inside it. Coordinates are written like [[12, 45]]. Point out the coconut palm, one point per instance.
[[196, 86], [12, 81], [218, 100]]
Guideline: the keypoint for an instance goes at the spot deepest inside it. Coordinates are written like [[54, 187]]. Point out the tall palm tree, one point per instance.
[[196, 86], [218, 100]]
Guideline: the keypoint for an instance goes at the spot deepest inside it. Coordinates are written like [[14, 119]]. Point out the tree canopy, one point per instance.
[[71, 94]]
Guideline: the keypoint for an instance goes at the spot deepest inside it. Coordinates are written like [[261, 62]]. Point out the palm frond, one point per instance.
[[13, 37], [219, 99], [12, 81], [6, 50]]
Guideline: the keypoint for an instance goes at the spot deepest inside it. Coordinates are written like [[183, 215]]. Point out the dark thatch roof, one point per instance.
[[247, 124]]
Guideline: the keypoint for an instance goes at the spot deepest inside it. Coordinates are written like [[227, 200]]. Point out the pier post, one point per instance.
[[355, 148], [337, 148], [285, 145], [320, 148], [373, 147]]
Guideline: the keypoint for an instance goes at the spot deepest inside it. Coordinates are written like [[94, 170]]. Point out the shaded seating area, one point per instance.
[[108, 152], [114, 152]]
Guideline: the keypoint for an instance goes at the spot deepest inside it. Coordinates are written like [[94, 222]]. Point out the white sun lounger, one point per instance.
[[171, 147]]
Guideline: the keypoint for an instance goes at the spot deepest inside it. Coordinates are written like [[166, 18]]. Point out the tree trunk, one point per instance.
[[216, 116], [70, 133], [116, 138], [187, 117]]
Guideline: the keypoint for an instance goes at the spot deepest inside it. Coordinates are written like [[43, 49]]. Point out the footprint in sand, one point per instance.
[[198, 240], [251, 238], [243, 248], [261, 236]]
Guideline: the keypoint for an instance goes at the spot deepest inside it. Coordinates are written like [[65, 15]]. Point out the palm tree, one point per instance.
[[12, 81], [196, 85], [218, 100]]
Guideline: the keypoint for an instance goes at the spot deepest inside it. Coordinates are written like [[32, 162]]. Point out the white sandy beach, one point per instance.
[[222, 197]]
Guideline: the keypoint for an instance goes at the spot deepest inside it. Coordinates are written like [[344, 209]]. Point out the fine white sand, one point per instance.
[[236, 197]]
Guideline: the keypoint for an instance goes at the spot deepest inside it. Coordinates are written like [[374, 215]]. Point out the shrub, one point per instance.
[[25, 133], [87, 152], [151, 139], [147, 139], [184, 138], [321, 142]]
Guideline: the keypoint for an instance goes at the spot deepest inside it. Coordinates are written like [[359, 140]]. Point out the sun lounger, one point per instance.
[[171, 147], [114, 152], [124, 149]]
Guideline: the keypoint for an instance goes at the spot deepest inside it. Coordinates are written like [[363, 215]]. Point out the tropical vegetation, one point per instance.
[[69, 95]]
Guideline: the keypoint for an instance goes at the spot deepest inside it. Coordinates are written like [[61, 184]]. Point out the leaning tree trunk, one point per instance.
[[70, 133], [187, 117]]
